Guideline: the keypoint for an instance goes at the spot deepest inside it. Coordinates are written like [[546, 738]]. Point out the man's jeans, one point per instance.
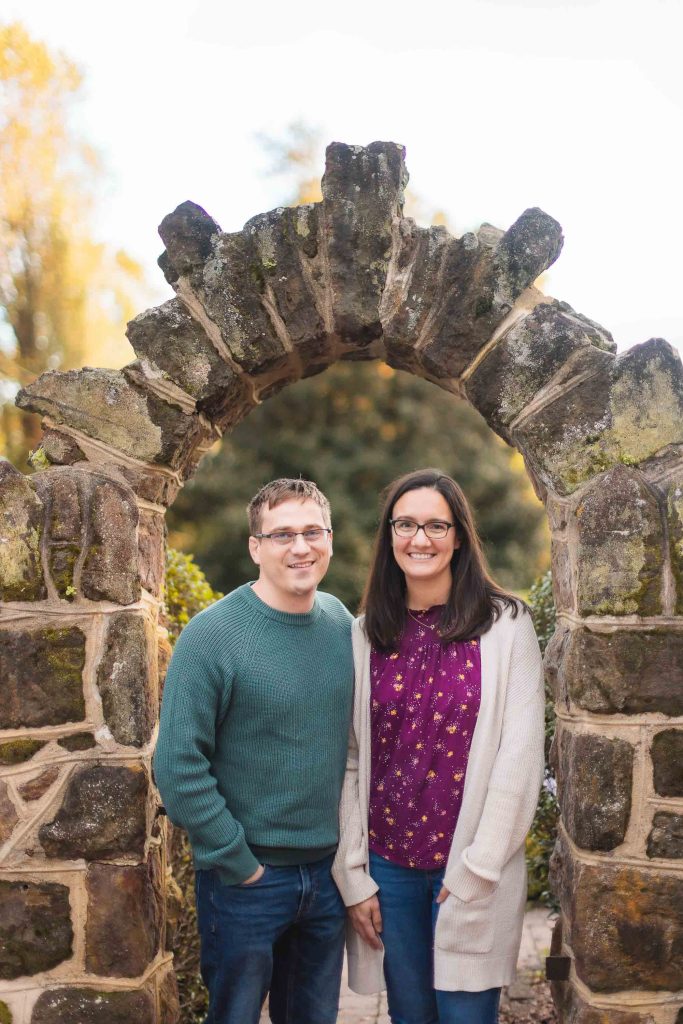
[[407, 898], [284, 933]]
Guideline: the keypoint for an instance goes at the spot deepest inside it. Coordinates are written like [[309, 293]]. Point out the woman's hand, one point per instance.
[[367, 920], [443, 894]]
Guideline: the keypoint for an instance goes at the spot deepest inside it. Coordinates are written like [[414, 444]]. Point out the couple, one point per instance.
[[439, 771]]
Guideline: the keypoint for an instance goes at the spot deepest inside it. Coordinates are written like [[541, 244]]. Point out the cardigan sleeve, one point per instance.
[[350, 867], [516, 777]]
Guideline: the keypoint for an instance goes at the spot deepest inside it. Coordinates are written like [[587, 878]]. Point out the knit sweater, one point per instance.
[[252, 739], [479, 926]]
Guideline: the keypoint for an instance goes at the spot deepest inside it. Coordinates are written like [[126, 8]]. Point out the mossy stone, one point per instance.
[[21, 526], [78, 741], [41, 677], [18, 751]]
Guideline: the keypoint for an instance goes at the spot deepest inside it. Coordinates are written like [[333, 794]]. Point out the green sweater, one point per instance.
[[253, 734]]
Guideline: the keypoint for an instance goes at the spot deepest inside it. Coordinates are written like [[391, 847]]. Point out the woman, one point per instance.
[[444, 769]]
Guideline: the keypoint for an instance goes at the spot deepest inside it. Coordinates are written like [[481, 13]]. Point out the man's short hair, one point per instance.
[[277, 491]]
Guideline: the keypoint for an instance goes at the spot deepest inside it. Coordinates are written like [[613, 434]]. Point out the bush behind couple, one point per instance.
[[366, 782]]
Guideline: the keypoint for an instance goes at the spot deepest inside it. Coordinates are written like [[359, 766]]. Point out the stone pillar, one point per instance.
[[83, 862]]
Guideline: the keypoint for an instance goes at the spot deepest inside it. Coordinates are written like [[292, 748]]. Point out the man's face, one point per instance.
[[289, 574]]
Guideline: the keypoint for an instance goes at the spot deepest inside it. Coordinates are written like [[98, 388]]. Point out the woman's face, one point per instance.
[[423, 559]]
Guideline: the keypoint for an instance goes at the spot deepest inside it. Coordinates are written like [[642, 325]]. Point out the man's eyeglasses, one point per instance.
[[407, 528], [285, 537]]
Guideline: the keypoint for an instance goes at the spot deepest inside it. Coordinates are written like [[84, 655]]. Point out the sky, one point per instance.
[[575, 107]]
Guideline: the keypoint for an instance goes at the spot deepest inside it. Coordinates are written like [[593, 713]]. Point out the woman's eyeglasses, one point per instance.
[[435, 530]]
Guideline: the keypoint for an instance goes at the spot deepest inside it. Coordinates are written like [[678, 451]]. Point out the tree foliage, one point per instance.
[[352, 430], [64, 296]]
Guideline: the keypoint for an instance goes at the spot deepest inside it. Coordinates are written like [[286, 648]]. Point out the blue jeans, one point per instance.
[[407, 899], [283, 934]]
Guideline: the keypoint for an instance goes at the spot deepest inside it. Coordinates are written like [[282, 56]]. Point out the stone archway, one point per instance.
[[81, 566]]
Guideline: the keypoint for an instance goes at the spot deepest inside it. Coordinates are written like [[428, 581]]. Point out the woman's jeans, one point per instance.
[[283, 933], [407, 899]]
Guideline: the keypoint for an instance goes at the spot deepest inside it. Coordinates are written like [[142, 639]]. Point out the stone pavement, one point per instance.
[[538, 924]]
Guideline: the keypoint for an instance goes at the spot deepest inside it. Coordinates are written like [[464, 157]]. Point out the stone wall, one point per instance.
[[83, 935]]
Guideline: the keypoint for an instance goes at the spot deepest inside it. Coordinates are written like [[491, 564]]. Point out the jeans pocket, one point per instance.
[[259, 881], [466, 927]]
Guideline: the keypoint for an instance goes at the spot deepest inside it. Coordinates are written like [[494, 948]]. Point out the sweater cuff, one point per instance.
[[354, 886], [466, 885], [241, 866]]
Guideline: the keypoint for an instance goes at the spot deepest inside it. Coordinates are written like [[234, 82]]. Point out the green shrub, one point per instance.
[[541, 838], [187, 592]]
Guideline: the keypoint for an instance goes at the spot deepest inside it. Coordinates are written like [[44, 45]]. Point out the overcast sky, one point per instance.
[[576, 107]]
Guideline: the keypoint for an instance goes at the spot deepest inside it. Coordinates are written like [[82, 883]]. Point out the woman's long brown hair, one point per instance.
[[475, 600]]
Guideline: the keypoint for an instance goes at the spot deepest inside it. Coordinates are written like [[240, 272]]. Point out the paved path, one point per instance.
[[538, 924]]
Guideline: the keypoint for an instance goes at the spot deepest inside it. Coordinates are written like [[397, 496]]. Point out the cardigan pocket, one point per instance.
[[466, 927]]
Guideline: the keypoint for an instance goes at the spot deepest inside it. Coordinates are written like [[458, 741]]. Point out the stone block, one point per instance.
[[123, 924], [41, 677], [626, 924], [106, 406], [362, 195], [8, 814], [35, 927], [59, 449], [102, 817], [628, 409], [169, 338], [93, 1006], [126, 678], [18, 751], [110, 568], [151, 551], [629, 672], [573, 1010], [188, 234], [164, 653], [666, 837], [36, 787], [78, 741], [620, 547], [21, 525], [562, 576], [675, 519], [63, 492], [483, 276], [667, 762], [169, 1003], [548, 346], [596, 778]]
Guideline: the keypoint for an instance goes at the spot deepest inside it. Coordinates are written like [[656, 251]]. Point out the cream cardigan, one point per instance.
[[479, 927]]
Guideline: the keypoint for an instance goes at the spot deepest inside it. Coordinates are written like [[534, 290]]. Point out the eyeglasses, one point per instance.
[[434, 530], [285, 537]]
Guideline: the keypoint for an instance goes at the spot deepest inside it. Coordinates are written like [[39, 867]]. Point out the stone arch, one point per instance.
[[81, 566]]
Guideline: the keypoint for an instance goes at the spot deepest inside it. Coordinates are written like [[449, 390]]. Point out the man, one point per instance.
[[250, 760]]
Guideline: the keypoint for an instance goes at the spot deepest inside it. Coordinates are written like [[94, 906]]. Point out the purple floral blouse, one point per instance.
[[424, 704]]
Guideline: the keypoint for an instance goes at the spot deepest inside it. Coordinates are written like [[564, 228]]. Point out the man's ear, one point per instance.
[[255, 550]]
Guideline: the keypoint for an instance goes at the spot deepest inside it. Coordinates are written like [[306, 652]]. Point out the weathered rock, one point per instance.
[[483, 275], [103, 815], [574, 1010], [595, 776], [164, 652], [78, 741], [18, 751], [35, 927], [548, 346], [675, 518], [620, 547], [104, 405], [151, 551], [41, 677], [93, 1006], [123, 923], [8, 814], [172, 340], [562, 577], [628, 409], [362, 194], [666, 837], [623, 672], [63, 492], [59, 449], [187, 233], [126, 678], [169, 1003], [175, 902], [21, 573], [626, 924], [110, 569], [667, 762], [39, 785]]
